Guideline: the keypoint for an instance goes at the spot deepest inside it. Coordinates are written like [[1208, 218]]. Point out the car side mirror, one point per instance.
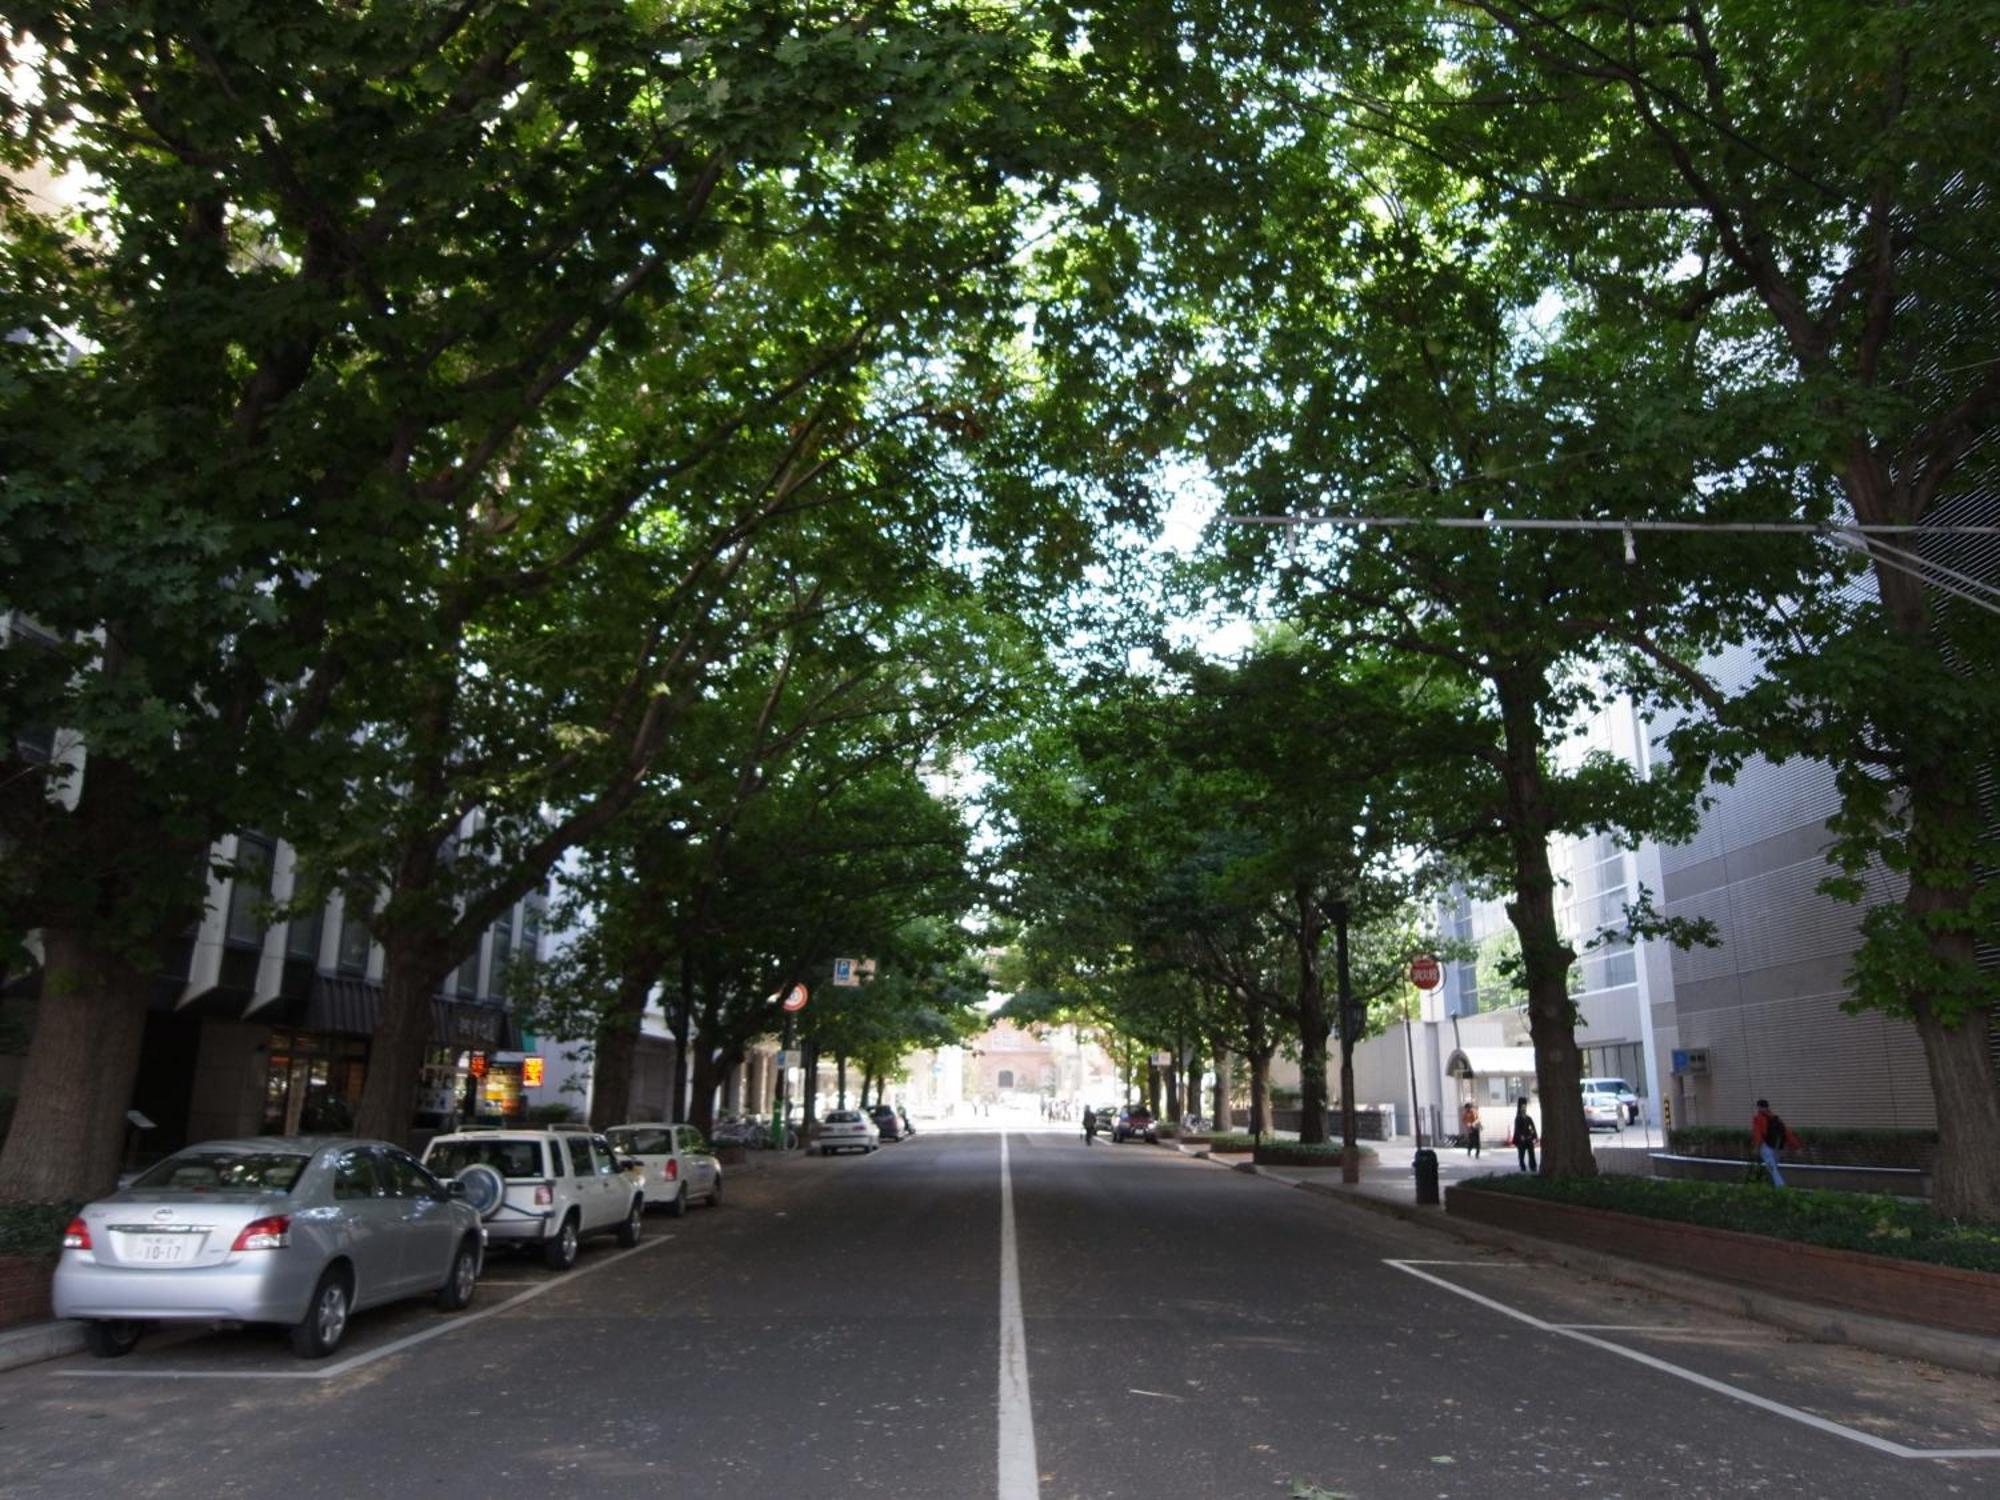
[[453, 1188]]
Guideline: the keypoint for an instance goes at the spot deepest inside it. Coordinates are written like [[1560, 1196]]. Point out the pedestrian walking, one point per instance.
[[1526, 1137], [1468, 1124], [1769, 1136], [1089, 1126]]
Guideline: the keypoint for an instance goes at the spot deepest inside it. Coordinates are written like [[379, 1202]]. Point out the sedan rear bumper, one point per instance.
[[247, 1291]]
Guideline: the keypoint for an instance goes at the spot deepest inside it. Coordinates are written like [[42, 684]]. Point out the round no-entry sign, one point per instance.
[[1425, 973], [795, 997]]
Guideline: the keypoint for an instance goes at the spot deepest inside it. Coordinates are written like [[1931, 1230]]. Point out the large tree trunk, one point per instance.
[[1314, 1027], [68, 1131], [840, 1076], [1260, 1090], [1545, 957], [1965, 1183], [616, 1048], [680, 1021], [1224, 1119], [1943, 892], [708, 1067], [410, 977], [1153, 1088]]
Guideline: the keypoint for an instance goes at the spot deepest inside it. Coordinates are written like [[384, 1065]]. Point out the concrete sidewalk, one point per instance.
[[1389, 1185]]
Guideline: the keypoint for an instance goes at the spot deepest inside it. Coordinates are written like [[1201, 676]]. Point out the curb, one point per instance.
[[35, 1342], [1973, 1353]]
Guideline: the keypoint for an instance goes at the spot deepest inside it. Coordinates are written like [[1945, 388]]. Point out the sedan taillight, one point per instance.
[[77, 1236], [273, 1233]]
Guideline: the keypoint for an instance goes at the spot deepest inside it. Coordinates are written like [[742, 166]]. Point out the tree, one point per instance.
[[294, 361], [1817, 189]]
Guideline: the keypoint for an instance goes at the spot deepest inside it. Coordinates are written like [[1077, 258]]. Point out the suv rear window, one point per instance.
[[508, 1158]]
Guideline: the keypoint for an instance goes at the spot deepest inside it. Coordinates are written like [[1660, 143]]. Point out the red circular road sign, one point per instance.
[[1425, 973], [795, 997]]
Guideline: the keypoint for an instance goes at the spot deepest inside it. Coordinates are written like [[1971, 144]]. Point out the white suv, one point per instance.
[[547, 1188]]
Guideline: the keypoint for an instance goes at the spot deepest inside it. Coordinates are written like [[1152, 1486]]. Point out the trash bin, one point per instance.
[[1425, 1162]]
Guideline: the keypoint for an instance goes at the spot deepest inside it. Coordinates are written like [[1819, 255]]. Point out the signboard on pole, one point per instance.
[[844, 973], [1425, 973], [795, 997]]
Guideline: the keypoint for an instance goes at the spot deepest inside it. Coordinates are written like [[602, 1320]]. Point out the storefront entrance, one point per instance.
[[313, 1083]]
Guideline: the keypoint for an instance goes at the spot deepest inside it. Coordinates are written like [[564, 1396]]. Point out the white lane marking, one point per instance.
[[357, 1361], [1019, 1477], [1632, 1327], [1707, 1383]]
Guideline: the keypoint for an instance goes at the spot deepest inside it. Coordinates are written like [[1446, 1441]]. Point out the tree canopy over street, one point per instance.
[[721, 455]]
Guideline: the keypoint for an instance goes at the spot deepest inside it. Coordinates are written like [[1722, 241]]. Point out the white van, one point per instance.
[[1627, 1100]]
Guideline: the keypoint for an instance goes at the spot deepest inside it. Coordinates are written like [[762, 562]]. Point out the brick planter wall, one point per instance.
[[1943, 1296], [24, 1289]]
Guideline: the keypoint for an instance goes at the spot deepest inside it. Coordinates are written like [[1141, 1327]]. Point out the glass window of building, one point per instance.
[[250, 891], [355, 940]]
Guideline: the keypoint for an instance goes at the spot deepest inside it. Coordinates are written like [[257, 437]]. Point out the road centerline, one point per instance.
[[1019, 1477]]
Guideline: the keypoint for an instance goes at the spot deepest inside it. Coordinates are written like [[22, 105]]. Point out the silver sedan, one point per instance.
[[300, 1231]]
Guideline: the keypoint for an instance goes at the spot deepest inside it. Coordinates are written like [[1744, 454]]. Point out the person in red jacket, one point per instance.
[[1769, 1135]]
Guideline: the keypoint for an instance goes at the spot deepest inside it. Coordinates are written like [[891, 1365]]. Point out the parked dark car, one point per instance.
[[886, 1122], [1135, 1124]]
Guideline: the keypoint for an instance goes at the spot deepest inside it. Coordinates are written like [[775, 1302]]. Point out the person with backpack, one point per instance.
[[1769, 1135], [1526, 1137]]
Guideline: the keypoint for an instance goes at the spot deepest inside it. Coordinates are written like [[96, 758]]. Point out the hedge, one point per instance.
[[34, 1228], [1832, 1145], [1903, 1228], [1298, 1154]]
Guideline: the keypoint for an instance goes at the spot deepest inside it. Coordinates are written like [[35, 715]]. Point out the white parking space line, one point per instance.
[[397, 1346], [1708, 1383], [1020, 1479]]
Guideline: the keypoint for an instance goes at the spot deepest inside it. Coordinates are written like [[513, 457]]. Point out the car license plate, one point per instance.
[[165, 1249]]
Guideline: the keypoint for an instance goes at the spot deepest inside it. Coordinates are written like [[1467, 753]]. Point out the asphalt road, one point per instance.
[[836, 1329]]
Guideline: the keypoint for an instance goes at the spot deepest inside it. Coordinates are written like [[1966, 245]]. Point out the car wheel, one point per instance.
[[109, 1338], [459, 1281], [635, 1222], [320, 1331], [715, 1192], [679, 1206], [826, 1151], [559, 1253]]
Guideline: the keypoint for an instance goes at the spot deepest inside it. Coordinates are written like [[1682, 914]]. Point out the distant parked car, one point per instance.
[[1619, 1089], [1603, 1112], [846, 1130], [543, 1189], [675, 1163], [300, 1231], [886, 1124], [1135, 1124]]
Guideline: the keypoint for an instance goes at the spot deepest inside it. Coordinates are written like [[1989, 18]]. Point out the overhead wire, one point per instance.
[[1856, 536]]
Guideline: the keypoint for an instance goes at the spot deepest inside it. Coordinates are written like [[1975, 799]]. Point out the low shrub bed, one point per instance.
[[1866, 1222], [34, 1228], [1234, 1140], [1298, 1154], [1833, 1145]]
